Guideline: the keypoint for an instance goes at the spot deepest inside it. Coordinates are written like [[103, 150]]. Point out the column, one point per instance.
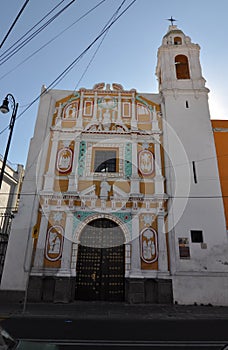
[[134, 177], [135, 249], [73, 177], [65, 269], [40, 247], [162, 246], [159, 180], [50, 175], [80, 119]]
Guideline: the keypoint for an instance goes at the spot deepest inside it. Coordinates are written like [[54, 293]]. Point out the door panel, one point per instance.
[[100, 265]]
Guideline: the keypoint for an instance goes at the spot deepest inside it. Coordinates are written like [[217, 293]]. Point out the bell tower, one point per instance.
[[178, 62], [195, 219]]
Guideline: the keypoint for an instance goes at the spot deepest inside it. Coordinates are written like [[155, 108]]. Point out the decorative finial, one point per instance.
[[171, 19]]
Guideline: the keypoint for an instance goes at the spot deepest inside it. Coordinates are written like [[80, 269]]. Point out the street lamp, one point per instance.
[[4, 108]]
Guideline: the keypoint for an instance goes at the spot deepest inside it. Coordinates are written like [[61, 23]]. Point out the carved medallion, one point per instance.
[[149, 246], [64, 160], [146, 162], [54, 243]]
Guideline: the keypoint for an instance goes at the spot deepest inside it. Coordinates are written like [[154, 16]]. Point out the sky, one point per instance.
[[127, 55]]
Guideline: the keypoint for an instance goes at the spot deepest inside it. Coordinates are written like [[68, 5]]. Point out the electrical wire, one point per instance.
[[33, 35], [35, 25], [105, 29], [103, 32], [53, 39], [97, 49], [62, 75], [71, 66], [13, 24]]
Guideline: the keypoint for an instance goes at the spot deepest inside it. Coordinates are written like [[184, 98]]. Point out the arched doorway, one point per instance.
[[101, 262]]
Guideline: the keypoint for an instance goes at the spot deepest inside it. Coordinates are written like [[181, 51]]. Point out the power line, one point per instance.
[[102, 40], [35, 25], [33, 35], [105, 29], [71, 66], [62, 75], [14, 22], [51, 40]]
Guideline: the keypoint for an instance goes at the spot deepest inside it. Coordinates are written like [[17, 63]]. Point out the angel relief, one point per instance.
[[53, 249], [64, 160], [148, 242], [146, 162]]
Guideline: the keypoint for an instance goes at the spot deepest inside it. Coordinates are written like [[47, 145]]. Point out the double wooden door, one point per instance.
[[100, 263]]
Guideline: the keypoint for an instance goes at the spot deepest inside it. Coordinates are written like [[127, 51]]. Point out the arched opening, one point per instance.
[[177, 40], [182, 67], [100, 266]]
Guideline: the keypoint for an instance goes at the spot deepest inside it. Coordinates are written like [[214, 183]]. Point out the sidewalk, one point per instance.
[[108, 310]]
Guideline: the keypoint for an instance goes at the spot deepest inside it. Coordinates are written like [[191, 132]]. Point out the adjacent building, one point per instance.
[[9, 201], [125, 199]]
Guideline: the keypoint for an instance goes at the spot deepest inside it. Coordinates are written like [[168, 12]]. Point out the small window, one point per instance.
[[197, 236], [182, 67], [177, 40], [105, 161]]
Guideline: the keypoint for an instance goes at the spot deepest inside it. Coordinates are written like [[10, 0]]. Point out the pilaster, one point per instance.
[[73, 177], [40, 247], [135, 270], [50, 175], [133, 114], [135, 177], [162, 245], [159, 180], [80, 114], [65, 269]]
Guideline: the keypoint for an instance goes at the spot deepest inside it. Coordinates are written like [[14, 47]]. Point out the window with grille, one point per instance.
[[197, 236], [105, 161]]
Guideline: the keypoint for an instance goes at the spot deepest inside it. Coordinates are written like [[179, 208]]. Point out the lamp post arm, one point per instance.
[[11, 126]]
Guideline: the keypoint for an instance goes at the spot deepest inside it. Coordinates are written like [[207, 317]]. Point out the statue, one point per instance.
[[104, 189]]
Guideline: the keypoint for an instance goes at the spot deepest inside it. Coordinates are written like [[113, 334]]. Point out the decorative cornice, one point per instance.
[[220, 129]]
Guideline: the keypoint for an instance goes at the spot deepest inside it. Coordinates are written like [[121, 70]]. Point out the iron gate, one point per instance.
[[101, 260]]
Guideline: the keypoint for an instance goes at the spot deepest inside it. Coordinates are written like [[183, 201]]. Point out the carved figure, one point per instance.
[[54, 243], [104, 189]]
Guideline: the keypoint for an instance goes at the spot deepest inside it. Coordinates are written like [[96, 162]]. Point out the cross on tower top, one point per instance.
[[172, 20]]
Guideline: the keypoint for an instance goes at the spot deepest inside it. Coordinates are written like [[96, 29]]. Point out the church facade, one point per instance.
[[121, 204]]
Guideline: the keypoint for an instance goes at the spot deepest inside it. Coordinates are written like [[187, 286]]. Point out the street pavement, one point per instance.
[[96, 325], [111, 310]]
